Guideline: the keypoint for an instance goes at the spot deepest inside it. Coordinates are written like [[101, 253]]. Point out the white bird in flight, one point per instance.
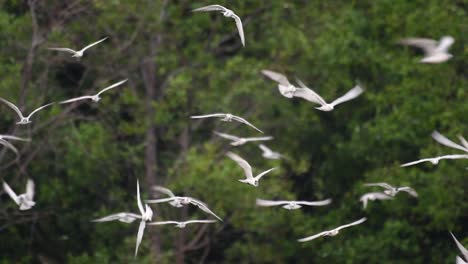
[[292, 205], [25, 200], [288, 90], [237, 141], [227, 13], [146, 215], [312, 96], [446, 142], [462, 249], [78, 53], [392, 191], [182, 224], [372, 197], [435, 51], [23, 120], [268, 153], [96, 97], [332, 232], [435, 160], [228, 118], [247, 170], [180, 201]]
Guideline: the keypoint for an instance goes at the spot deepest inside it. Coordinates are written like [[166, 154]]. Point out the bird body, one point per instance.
[[446, 142]]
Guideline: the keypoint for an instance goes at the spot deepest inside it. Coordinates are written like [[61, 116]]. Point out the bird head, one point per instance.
[[255, 183]]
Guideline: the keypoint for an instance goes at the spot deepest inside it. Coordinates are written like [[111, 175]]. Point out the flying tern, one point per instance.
[[247, 170], [78, 53], [288, 90], [237, 141], [435, 51], [312, 96], [392, 191], [25, 200], [228, 118], [435, 160], [446, 142], [332, 232], [23, 120], [268, 153], [180, 201], [146, 215], [227, 13], [182, 224], [291, 205], [94, 98]]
